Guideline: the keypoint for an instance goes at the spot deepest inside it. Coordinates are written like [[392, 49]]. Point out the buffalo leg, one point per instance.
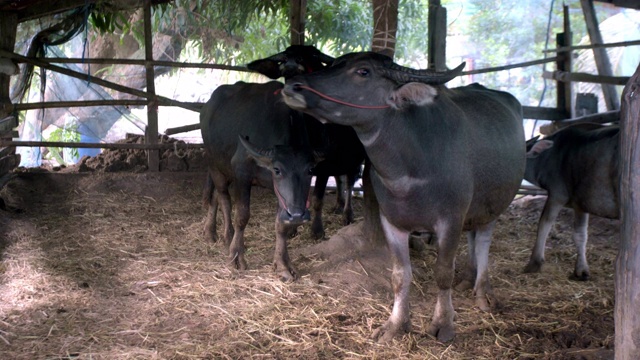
[[242, 214], [399, 321], [442, 321], [580, 224], [478, 267], [548, 217], [281, 261], [341, 186], [222, 199], [347, 212], [210, 200], [317, 228]]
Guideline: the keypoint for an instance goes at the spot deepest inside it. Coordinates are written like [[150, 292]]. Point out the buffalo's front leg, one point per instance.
[[448, 234], [281, 261], [399, 321]]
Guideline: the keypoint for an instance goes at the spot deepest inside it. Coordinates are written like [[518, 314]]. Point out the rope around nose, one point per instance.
[[327, 97]]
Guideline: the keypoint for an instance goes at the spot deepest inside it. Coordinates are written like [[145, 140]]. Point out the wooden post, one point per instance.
[[8, 29], [297, 21], [385, 26], [564, 88], [9, 160], [437, 35], [151, 132], [600, 54], [627, 278]]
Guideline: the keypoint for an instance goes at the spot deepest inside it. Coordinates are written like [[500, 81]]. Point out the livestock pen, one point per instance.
[[113, 265]]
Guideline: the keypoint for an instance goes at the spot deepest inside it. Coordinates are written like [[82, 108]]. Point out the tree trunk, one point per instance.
[[385, 26], [627, 300]]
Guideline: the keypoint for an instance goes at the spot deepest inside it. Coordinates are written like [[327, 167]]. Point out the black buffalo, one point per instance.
[[579, 168], [252, 138], [443, 161]]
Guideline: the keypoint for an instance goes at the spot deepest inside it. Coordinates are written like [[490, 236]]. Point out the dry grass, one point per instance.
[[113, 266]]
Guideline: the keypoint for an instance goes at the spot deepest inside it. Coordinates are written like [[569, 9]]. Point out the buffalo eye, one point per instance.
[[277, 171], [310, 171], [363, 72]]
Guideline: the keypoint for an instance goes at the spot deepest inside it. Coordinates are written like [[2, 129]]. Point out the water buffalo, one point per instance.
[[578, 166], [443, 161], [278, 153]]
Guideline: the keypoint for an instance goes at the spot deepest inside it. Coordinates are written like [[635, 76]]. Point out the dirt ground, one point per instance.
[[113, 265]]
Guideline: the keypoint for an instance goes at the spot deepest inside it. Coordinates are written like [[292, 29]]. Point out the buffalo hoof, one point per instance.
[[390, 330], [442, 332], [488, 303], [237, 261], [533, 267], [580, 276], [287, 275], [347, 218]]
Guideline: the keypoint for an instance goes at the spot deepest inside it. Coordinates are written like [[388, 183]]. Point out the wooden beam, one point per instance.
[[627, 276], [151, 132], [86, 103], [594, 46], [181, 129], [98, 81], [62, 144], [599, 54], [582, 77], [175, 64], [510, 66], [543, 113]]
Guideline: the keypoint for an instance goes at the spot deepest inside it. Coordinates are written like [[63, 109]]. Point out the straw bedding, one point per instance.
[[114, 266]]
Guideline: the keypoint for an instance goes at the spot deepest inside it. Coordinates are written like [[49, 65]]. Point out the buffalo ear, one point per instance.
[[263, 158], [269, 67], [538, 148], [413, 93]]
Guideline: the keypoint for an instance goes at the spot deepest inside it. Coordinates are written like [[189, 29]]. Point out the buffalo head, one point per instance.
[[291, 170], [295, 60], [358, 85]]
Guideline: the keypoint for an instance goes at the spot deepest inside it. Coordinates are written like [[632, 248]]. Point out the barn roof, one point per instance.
[[33, 9]]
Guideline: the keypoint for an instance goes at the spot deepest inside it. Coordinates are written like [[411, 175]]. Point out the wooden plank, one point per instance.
[[181, 129], [8, 123], [582, 77], [627, 276], [9, 134], [542, 113], [8, 163], [599, 54], [158, 146], [86, 103], [97, 80]]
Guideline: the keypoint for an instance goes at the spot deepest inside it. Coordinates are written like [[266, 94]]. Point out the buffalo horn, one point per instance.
[[404, 75]]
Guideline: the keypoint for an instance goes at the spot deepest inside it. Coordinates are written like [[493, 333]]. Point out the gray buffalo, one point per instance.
[[578, 166], [443, 161]]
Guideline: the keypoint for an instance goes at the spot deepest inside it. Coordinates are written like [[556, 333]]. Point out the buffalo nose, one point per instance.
[[296, 86], [295, 216]]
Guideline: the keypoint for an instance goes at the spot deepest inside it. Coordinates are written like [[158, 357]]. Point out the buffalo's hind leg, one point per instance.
[[210, 202], [399, 322], [580, 224], [477, 273], [317, 227], [549, 214]]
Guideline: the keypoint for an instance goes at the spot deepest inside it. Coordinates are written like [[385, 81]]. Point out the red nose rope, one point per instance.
[[327, 97]]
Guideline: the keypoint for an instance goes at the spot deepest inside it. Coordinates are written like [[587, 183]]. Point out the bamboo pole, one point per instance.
[[63, 144], [96, 80], [143, 63]]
